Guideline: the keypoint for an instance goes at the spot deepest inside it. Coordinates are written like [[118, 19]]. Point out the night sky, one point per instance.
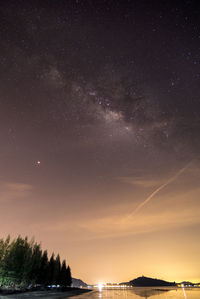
[[99, 134]]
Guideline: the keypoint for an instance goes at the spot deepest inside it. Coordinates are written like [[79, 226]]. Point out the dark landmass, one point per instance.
[[78, 283], [149, 282]]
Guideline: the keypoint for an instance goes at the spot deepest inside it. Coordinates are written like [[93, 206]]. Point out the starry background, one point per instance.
[[99, 106]]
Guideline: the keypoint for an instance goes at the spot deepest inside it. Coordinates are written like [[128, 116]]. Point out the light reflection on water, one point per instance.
[[136, 293]]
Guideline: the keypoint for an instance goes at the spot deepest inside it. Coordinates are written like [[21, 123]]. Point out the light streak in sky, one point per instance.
[[171, 180]]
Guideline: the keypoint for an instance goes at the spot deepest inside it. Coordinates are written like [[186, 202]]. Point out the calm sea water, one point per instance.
[[137, 293]]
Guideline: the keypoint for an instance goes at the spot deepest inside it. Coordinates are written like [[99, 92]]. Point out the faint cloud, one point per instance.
[[10, 191], [165, 213], [114, 227], [18, 186], [141, 182]]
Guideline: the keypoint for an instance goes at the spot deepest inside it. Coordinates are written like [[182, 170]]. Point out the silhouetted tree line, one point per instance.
[[22, 262]]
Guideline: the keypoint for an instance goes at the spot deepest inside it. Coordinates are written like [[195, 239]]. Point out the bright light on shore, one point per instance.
[[100, 287]]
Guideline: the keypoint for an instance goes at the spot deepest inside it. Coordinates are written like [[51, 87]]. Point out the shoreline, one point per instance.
[[50, 294]]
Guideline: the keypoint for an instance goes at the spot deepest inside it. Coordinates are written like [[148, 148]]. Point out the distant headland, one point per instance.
[[144, 281], [149, 282]]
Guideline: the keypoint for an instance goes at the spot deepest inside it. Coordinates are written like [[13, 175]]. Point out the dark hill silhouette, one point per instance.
[[77, 283], [150, 282]]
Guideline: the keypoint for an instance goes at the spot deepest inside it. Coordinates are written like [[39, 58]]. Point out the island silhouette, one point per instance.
[[143, 281]]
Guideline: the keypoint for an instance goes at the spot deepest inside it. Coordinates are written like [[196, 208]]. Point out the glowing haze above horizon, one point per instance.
[[99, 134]]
